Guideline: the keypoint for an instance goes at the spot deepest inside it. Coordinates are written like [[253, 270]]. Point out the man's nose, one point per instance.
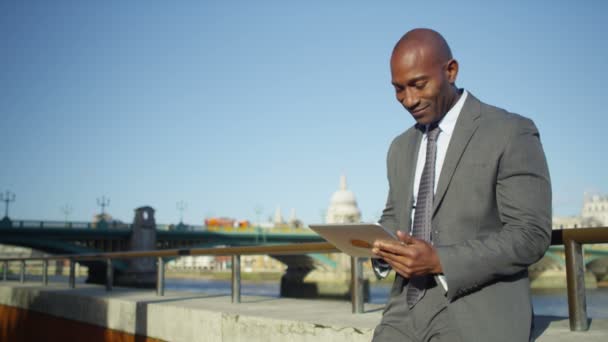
[[409, 100]]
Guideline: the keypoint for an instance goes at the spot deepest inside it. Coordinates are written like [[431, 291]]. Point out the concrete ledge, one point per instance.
[[182, 316], [25, 325]]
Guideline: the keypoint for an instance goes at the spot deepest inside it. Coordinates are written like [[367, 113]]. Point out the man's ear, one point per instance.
[[451, 70]]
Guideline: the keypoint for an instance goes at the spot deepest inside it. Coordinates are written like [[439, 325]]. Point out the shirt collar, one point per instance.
[[448, 122]]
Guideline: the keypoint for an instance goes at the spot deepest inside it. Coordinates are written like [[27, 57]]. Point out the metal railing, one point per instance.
[[572, 239], [236, 252]]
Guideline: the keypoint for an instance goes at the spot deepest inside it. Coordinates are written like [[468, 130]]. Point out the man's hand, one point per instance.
[[408, 256]]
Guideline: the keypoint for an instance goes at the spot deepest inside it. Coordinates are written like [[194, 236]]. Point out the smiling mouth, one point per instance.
[[419, 111]]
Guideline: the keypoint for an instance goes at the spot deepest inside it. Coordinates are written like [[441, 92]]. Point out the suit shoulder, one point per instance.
[[496, 118], [402, 139]]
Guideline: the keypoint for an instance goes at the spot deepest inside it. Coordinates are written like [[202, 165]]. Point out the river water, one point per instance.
[[546, 302]]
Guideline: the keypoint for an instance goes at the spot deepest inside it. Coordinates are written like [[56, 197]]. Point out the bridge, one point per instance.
[[592, 253], [55, 237], [595, 259], [79, 237]]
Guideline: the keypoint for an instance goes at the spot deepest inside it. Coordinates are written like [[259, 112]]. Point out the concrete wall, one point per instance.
[[184, 317], [29, 312], [25, 325]]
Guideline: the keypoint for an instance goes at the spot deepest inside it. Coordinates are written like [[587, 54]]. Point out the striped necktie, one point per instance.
[[421, 228]]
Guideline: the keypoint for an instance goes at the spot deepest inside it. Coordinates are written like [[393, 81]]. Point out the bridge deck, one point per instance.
[[182, 316]]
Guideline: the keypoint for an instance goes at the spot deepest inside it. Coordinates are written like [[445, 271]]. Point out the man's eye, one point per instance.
[[398, 88], [420, 85]]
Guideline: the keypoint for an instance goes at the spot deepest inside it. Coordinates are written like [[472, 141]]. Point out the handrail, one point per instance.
[[572, 239], [300, 248], [235, 252]]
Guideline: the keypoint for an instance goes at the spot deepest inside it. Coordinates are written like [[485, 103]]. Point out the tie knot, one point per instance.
[[433, 132]]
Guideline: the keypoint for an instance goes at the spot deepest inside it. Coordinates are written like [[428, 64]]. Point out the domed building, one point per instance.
[[342, 209], [343, 206]]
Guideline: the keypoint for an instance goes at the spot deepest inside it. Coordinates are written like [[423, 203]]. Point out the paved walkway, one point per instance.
[[183, 316]]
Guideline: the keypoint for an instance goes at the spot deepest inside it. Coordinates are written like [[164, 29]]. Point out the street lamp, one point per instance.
[[66, 210], [7, 198], [103, 202], [181, 206]]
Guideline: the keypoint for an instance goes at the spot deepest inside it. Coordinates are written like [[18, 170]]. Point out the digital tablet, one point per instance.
[[354, 239]]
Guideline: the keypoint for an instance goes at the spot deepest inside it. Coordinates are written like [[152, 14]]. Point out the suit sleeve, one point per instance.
[[382, 268], [389, 219], [523, 198]]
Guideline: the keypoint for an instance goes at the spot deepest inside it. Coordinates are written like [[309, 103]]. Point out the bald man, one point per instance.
[[472, 221]]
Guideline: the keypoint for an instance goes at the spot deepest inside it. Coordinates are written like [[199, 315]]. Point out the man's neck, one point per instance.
[[456, 94]]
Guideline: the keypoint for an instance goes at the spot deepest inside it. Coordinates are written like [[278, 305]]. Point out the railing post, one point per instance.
[[575, 276], [5, 271], [160, 277], [22, 272], [356, 285], [45, 272], [72, 278], [109, 274], [236, 278]]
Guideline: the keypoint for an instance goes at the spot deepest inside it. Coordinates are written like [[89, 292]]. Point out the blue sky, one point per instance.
[[231, 105]]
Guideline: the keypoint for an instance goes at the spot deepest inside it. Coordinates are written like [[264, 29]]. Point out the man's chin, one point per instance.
[[426, 118], [423, 120]]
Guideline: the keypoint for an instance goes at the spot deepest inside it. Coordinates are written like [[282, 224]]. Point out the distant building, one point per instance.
[[105, 220], [595, 208], [279, 222], [593, 214], [278, 217], [193, 262], [343, 209], [294, 221], [343, 206]]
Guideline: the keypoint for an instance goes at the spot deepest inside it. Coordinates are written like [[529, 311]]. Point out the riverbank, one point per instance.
[[224, 275], [251, 276]]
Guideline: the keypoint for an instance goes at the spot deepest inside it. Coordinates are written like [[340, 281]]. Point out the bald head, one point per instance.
[[426, 42], [424, 75]]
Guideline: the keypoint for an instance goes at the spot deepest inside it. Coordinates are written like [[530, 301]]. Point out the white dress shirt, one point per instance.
[[446, 127]]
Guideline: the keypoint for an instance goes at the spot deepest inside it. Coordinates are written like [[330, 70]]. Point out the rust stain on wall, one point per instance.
[[18, 325]]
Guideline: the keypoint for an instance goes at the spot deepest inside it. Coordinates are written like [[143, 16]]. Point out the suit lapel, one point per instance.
[[407, 171], [466, 125], [412, 150], [408, 165]]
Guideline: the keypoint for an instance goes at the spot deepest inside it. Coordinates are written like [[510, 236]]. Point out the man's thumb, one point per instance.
[[405, 238]]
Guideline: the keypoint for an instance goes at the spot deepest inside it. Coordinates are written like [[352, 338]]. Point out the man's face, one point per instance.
[[422, 84]]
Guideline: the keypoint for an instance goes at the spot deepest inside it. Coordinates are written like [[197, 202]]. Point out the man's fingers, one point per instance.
[[377, 243], [394, 247], [405, 238], [396, 263], [400, 268], [408, 239]]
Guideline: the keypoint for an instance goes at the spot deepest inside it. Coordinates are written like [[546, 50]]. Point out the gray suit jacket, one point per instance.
[[491, 219]]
